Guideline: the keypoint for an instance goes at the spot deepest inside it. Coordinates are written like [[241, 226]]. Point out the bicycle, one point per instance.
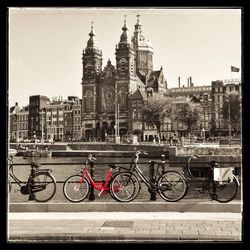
[[170, 185], [77, 187], [221, 183], [40, 186]]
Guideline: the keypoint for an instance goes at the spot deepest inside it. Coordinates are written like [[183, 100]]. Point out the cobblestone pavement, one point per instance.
[[124, 226]]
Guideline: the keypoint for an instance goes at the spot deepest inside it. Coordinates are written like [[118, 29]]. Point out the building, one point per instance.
[[220, 92], [76, 118], [107, 93], [201, 95], [54, 120], [36, 123], [22, 123], [13, 122]]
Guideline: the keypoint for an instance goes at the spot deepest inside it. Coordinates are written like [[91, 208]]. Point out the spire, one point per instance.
[[138, 25], [124, 35], [91, 34], [92, 43], [138, 18], [124, 28]]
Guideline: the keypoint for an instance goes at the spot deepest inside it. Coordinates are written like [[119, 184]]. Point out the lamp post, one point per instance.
[[117, 134], [42, 139], [229, 119]]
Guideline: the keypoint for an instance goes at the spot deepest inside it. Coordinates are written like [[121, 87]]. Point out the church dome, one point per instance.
[[139, 40], [143, 41]]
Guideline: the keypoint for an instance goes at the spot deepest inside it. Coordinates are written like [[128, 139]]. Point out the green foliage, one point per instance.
[[235, 110], [189, 114], [156, 109]]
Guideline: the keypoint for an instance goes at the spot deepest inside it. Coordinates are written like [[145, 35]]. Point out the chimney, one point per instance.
[[188, 82], [179, 81]]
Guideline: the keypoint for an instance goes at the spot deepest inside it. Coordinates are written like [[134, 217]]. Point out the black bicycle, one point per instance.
[[221, 183], [170, 185], [40, 186]]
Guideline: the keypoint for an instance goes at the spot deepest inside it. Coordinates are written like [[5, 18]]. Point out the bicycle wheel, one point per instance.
[[75, 191], [42, 186], [224, 191], [172, 186], [125, 187]]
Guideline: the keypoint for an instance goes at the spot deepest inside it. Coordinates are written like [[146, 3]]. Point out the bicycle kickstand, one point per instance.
[[101, 192]]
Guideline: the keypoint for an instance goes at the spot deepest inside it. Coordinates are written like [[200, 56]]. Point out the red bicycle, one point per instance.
[[77, 187]]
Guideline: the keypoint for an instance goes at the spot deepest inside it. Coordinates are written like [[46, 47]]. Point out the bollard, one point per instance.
[[152, 179], [91, 194], [163, 161]]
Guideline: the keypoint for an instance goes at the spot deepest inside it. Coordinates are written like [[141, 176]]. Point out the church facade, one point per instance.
[[113, 96]]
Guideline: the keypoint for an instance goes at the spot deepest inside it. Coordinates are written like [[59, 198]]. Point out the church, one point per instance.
[[113, 96]]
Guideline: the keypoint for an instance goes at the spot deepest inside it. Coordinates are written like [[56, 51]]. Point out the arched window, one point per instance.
[[123, 63], [108, 99]]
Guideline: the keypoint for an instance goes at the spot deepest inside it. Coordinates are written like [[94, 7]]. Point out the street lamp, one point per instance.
[[42, 139], [229, 118], [117, 134]]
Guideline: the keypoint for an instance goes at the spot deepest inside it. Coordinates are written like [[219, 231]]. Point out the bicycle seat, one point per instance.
[[213, 164], [35, 165]]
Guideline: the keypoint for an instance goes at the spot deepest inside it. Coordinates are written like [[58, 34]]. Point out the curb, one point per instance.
[[110, 237], [148, 206]]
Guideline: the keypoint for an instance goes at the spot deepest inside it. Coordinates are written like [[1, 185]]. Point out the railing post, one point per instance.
[[32, 173], [152, 179], [91, 194]]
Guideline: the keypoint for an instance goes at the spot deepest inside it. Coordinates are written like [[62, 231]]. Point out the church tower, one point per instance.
[[92, 65], [125, 63], [143, 49]]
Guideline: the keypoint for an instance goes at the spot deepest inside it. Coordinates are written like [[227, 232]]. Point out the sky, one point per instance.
[[46, 44]]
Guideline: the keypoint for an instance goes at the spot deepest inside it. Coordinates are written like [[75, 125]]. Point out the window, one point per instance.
[[123, 62]]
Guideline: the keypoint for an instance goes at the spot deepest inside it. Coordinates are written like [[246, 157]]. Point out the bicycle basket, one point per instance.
[[223, 174]]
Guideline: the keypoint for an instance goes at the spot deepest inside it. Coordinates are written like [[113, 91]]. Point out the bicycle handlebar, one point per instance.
[[140, 152], [91, 158]]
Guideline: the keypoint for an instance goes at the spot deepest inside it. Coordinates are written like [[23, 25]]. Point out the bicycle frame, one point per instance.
[[17, 181], [32, 173], [204, 184], [144, 179], [102, 186]]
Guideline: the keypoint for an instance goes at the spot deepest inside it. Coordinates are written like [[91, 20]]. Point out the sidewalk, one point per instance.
[[124, 226]]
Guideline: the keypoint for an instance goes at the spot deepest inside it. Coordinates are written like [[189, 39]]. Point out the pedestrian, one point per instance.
[[171, 140], [174, 139]]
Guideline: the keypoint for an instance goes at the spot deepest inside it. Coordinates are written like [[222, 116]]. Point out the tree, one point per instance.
[[189, 114], [233, 102], [156, 109]]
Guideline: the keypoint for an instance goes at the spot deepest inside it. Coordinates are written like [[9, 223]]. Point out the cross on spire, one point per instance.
[[91, 34], [125, 24], [138, 18]]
